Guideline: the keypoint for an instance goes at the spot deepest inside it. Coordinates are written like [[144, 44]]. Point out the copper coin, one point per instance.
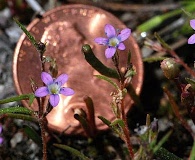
[[66, 29]]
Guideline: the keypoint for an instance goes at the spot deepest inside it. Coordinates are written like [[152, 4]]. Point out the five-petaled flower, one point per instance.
[[114, 41], [191, 40], [53, 87]]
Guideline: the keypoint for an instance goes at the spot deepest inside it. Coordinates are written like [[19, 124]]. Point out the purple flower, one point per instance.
[[53, 88], [114, 40], [191, 40], [1, 138]]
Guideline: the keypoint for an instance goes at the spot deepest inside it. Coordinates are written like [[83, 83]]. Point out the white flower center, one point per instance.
[[54, 88], [113, 41]]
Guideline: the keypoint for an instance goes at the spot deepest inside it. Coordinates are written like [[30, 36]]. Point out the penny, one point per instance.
[[65, 29]]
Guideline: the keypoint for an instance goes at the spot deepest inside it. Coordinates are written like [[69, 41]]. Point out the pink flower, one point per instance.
[[53, 88], [191, 40], [1, 138], [114, 40]]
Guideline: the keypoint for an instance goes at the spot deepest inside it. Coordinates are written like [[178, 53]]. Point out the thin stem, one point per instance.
[[126, 132], [176, 111], [125, 129], [179, 60], [43, 137], [115, 60]]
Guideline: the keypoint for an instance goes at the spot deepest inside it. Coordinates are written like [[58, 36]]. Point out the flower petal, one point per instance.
[[66, 91], [191, 40], [1, 128], [124, 34], [46, 78], [41, 92], [192, 23], [54, 99], [110, 31], [121, 46], [110, 52], [101, 41], [1, 140], [61, 79]]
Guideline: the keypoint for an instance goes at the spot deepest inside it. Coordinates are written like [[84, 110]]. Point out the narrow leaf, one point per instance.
[[154, 59], [21, 116], [75, 152], [32, 134], [31, 99], [28, 34], [129, 58], [16, 98], [108, 80], [18, 109], [96, 64], [192, 154], [164, 44], [107, 122], [162, 141], [162, 153], [119, 122], [84, 122]]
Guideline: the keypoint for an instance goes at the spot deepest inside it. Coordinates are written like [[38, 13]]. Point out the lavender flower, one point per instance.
[[191, 40], [114, 40], [53, 88], [1, 138]]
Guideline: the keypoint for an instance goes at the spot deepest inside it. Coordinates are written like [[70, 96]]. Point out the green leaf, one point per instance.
[[130, 73], [150, 24], [164, 44], [75, 152], [106, 121], [192, 154], [18, 109], [162, 141], [20, 116], [157, 20], [97, 64], [108, 80], [31, 99], [81, 117], [119, 122], [32, 134], [162, 153], [154, 59], [17, 98], [28, 34], [129, 58]]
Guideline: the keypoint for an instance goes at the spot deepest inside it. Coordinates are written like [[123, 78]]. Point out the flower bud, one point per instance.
[[170, 68], [187, 97], [41, 47]]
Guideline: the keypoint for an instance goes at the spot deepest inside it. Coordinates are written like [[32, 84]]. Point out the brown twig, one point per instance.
[[180, 61], [43, 136], [129, 7], [176, 111]]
